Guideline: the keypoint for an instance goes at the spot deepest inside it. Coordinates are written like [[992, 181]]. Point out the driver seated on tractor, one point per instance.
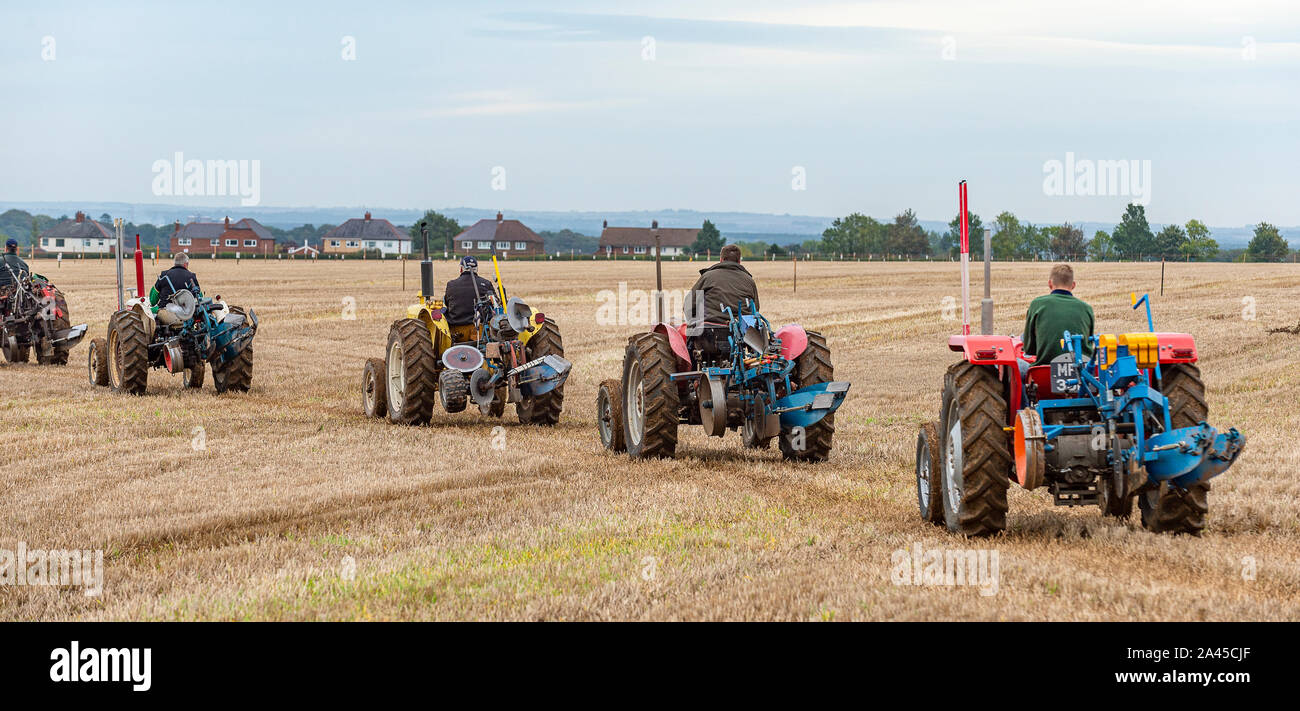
[[723, 285], [461, 298], [1051, 315], [12, 266], [179, 277]]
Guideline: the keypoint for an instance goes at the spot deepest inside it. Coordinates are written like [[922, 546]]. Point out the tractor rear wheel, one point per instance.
[[374, 396], [543, 409], [1168, 508], [97, 361], [609, 415], [128, 353], [410, 367], [235, 375], [813, 366], [976, 455], [453, 390], [650, 399], [929, 481]]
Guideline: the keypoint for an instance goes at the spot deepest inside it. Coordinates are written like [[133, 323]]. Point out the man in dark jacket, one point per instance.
[[723, 285], [11, 265], [1051, 315], [174, 279], [463, 292]]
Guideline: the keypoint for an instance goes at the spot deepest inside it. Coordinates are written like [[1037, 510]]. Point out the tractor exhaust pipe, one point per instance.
[[139, 269], [426, 267], [965, 259]]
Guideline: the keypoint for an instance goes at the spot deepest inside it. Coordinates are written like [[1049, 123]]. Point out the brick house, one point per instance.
[[247, 237], [507, 237], [361, 233], [79, 235], [619, 241]]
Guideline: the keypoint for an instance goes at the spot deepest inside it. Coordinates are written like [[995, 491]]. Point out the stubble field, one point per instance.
[[298, 507]]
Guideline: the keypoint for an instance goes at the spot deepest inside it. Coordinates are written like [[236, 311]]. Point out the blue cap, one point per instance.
[[468, 264], [11, 242]]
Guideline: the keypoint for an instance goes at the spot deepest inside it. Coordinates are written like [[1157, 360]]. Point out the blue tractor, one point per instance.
[[770, 384]]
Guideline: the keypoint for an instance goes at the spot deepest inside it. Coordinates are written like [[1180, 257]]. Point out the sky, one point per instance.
[[817, 108]]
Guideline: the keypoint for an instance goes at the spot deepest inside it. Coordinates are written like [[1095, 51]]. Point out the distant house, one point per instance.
[[617, 241], [507, 237], [361, 233], [80, 235], [247, 237]]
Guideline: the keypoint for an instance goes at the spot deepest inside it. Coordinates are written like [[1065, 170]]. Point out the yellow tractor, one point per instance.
[[509, 354]]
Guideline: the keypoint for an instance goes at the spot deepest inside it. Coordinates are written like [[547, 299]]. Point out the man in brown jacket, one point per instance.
[[723, 285]]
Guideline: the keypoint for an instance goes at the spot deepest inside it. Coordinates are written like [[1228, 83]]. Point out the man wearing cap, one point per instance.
[[11, 265], [461, 296]]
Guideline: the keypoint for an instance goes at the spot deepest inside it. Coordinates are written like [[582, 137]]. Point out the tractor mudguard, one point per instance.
[[988, 350], [1176, 347], [806, 407], [794, 340], [676, 341]]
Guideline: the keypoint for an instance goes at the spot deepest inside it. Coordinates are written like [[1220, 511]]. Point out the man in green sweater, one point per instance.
[[1051, 315]]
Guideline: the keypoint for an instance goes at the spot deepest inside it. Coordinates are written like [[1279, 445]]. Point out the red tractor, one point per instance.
[[1114, 419]]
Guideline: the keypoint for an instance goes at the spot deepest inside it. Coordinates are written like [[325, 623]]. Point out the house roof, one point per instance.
[[80, 227], [214, 230], [640, 236], [489, 229], [366, 228]]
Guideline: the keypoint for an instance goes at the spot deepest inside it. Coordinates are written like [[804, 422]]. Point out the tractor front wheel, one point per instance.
[[976, 454], [609, 415], [650, 399], [374, 396], [929, 482], [410, 365], [813, 366], [543, 409], [97, 361]]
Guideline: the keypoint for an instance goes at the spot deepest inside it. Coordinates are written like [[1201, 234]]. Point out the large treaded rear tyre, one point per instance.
[[453, 390], [128, 353], [976, 453], [650, 398], [609, 415], [543, 409], [374, 394], [1169, 509], [811, 367], [410, 367]]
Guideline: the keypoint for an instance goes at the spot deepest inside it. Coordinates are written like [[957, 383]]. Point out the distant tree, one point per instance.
[[950, 241], [442, 232], [1170, 241], [775, 250], [1067, 242], [1267, 245], [36, 232], [566, 240], [854, 234], [1099, 247], [1132, 238], [708, 240], [106, 220], [906, 236], [1006, 236], [1199, 245], [1035, 242]]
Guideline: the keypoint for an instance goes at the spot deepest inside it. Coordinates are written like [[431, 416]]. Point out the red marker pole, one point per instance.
[[965, 259], [139, 269]]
